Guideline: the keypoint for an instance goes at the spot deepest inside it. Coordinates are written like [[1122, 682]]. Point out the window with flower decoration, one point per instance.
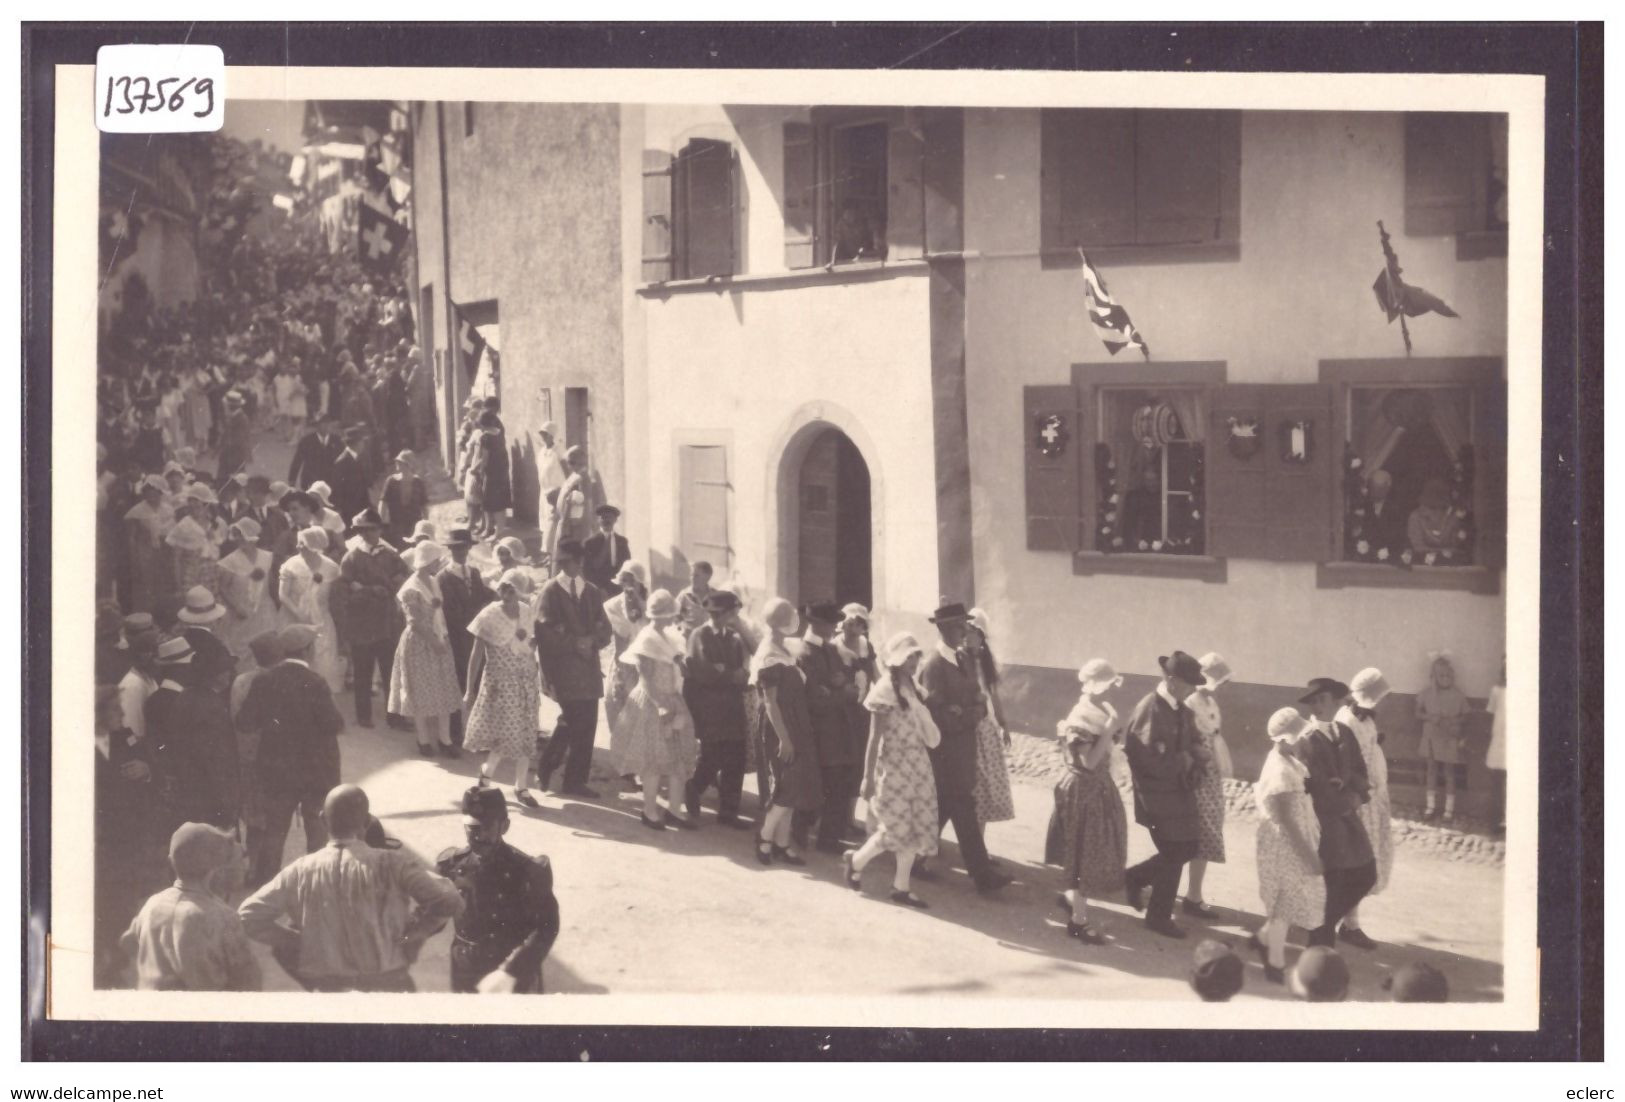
[[1149, 471]]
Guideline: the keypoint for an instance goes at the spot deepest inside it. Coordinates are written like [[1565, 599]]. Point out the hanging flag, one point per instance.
[[1110, 321], [470, 345], [1398, 299], [381, 241]]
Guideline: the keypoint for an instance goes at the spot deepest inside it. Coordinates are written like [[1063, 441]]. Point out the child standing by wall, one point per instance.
[[1441, 707]]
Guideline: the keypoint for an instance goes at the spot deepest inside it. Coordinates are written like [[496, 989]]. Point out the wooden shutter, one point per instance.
[[1054, 500], [703, 519], [1446, 167], [800, 195], [943, 178], [1260, 506], [1086, 193], [905, 196], [704, 190], [657, 196], [1176, 171]]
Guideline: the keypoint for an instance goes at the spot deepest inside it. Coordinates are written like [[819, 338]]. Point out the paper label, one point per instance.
[[142, 89]]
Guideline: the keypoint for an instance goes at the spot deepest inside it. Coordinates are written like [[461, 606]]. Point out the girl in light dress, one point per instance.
[[1088, 828], [245, 589], [1291, 884], [660, 741], [305, 587], [503, 688], [1210, 787], [1441, 707], [897, 778], [994, 801], [423, 682], [1359, 714]]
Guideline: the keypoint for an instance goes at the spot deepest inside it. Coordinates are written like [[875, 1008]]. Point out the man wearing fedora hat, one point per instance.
[[840, 761], [1166, 760], [369, 576], [604, 552], [351, 478], [954, 697], [190, 726], [1338, 787], [463, 593], [714, 690], [315, 453], [200, 616], [571, 630]]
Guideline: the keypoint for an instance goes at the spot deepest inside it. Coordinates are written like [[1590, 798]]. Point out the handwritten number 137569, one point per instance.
[[146, 97]]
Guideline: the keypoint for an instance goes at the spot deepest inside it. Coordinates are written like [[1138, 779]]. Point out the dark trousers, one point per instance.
[[959, 808], [1344, 890], [722, 766], [578, 725], [1161, 872], [364, 658], [266, 843], [841, 784]]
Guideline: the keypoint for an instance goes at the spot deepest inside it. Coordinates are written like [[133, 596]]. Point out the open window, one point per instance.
[[690, 212], [1456, 180]]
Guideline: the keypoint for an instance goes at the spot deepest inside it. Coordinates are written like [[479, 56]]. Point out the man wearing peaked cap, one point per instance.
[[511, 918], [1338, 787], [1165, 758], [370, 574], [604, 552]]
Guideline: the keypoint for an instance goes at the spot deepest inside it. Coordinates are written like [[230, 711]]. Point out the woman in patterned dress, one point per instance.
[[1210, 788], [423, 683], [503, 695], [994, 802], [1359, 715], [1088, 830], [659, 732], [305, 587], [625, 613], [897, 777], [1290, 883], [787, 735]]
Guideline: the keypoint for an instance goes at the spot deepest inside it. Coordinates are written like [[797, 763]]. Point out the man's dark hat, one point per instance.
[[375, 837], [459, 537], [607, 511], [949, 610], [824, 612], [572, 548], [1216, 971], [258, 484], [367, 518], [1418, 983], [1183, 666], [720, 600], [1320, 685], [485, 803], [299, 497]]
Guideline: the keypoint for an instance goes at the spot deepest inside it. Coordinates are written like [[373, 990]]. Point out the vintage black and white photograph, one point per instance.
[[931, 549]]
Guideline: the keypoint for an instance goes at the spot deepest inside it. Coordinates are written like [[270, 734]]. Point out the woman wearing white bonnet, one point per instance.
[[1359, 714], [423, 682], [1088, 828], [305, 585], [245, 589], [659, 731], [897, 777], [787, 736], [1210, 787], [1290, 882], [626, 616]]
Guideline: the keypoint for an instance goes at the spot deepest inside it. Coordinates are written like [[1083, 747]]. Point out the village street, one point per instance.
[[693, 912]]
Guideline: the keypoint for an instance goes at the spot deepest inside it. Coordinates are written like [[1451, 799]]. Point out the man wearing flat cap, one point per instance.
[[953, 695], [1166, 759], [605, 552], [511, 917], [1338, 787], [370, 574]]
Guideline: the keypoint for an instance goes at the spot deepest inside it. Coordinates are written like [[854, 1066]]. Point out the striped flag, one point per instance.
[[1110, 321]]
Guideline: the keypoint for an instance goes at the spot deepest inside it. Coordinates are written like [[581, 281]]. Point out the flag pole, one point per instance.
[[1395, 295]]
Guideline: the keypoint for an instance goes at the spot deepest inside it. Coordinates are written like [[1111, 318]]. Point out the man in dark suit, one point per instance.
[[827, 690], [369, 576], [1166, 759], [462, 594], [351, 479], [953, 695], [315, 454], [571, 629], [1338, 786], [605, 552]]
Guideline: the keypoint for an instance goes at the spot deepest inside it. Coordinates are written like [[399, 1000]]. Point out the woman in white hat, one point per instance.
[[897, 777], [1291, 885], [423, 682], [1088, 829], [1210, 787], [659, 732], [305, 586], [327, 516], [625, 613], [245, 588], [194, 555], [1359, 714], [503, 696], [994, 801], [787, 735]]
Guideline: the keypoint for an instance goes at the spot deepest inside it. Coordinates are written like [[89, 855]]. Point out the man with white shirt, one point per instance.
[[571, 630], [141, 680], [1165, 757]]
